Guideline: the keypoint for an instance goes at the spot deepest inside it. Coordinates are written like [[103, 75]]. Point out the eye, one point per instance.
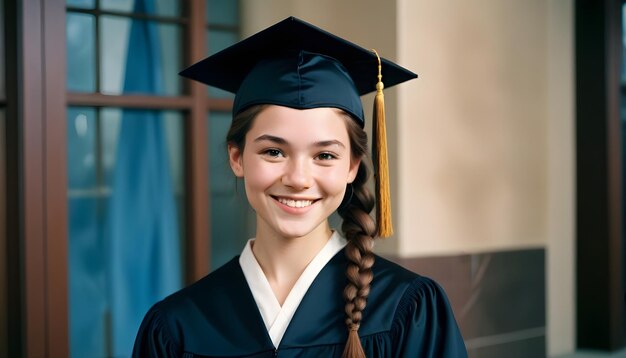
[[326, 156], [274, 153]]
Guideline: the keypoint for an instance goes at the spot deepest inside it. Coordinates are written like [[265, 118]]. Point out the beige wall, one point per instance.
[[472, 136], [561, 183]]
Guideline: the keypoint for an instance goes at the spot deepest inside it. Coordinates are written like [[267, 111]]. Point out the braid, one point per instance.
[[360, 229]]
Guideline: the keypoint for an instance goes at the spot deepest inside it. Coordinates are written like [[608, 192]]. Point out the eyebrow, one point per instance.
[[271, 138], [328, 143], [279, 140]]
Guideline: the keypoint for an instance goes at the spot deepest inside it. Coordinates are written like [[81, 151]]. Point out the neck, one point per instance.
[[284, 259]]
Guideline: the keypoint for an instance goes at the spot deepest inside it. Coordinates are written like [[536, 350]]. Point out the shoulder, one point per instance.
[[422, 299], [390, 279], [384, 268], [422, 323], [168, 323], [389, 289], [403, 284], [224, 278], [408, 289]]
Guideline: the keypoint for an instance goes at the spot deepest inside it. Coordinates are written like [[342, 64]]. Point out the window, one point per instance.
[[134, 232]]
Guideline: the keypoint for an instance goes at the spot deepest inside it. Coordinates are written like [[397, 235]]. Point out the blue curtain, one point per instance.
[[144, 246]]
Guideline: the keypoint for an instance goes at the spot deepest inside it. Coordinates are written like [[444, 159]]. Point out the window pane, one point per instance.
[[623, 45], [125, 244], [171, 57], [110, 129], [87, 288], [231, 216], [218, 40], [161, 7], [81, 53], [118, 5], [222, 12], [81, 143], [86, 4], [174, 134], [89, 314], [157, 48]]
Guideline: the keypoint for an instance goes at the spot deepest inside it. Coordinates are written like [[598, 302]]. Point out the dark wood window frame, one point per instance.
[[600, 306], [36, 163]]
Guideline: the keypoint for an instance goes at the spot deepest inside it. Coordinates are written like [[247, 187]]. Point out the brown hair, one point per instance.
[[358, 226]]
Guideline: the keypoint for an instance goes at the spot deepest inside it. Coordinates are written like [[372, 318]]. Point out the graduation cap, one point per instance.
[[298, 65]]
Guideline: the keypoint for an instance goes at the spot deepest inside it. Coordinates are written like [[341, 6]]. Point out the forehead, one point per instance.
[[300, 125]]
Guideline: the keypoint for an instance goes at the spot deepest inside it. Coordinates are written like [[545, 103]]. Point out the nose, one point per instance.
[[298, 174]]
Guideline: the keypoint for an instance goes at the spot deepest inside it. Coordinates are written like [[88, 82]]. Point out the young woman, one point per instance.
[[301, 288]]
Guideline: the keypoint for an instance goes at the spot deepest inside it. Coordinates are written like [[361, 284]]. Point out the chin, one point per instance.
[[294, 233], [294, 230]]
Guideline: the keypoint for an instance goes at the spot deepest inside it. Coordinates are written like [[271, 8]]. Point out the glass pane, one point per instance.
[[218, 40], [85, 4], [125, 245], [231, 217], [86, 267], [168, 7], [81, 143], [174, 134], [222, 12], [623, 76], [88, 298], [154, 56], [110, 130], [117, 5], [171, 57], [81, 57], [158, 7]]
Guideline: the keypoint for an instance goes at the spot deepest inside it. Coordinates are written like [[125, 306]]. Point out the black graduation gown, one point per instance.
[[407, 315]]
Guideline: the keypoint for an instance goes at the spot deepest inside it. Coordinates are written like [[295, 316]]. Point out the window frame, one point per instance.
[[36, 150], [600, 257]]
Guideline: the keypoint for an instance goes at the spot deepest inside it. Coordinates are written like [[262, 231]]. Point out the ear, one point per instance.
[[354, 169], [235, 158]]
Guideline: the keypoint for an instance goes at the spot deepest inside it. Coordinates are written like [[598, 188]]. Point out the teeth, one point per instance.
[[295, 203]]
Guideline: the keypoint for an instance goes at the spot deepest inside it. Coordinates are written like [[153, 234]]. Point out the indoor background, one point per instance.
[[506, 164]]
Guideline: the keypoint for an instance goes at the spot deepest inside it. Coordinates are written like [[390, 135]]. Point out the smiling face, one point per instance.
[[295, 165]]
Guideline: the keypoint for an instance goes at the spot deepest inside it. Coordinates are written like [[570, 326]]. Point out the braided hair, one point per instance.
[[358, 226], [360, 230]]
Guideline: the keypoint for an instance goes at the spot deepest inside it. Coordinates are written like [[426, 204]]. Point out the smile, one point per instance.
[[292, 203]]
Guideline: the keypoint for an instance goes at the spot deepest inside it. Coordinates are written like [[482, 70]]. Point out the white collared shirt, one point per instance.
[[275, 317]]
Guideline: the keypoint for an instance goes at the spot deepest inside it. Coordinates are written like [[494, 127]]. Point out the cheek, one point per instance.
[[334, 181], [259, 175]]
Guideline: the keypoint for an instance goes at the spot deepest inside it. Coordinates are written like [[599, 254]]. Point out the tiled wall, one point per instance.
[[498, 299]]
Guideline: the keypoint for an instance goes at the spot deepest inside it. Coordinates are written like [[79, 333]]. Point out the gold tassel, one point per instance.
[[353, 348], [381, 170]]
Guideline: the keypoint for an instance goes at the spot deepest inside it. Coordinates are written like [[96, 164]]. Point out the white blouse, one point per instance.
[[275, 317]]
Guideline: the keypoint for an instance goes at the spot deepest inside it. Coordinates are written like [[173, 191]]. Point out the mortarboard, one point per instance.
[[298, 65]]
